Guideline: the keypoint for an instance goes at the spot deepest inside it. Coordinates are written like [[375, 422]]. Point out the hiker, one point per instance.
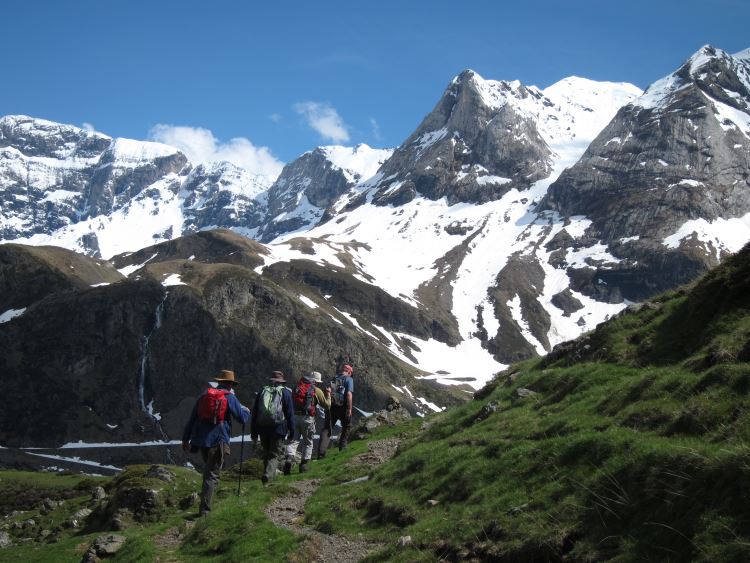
[[273, 421], [209, 429], [307, 396], [342, 393]]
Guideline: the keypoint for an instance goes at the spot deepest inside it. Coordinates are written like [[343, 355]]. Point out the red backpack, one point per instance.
[[303, 395], [212, 406]]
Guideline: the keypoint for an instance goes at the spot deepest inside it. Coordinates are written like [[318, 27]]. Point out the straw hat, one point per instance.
[[226, 376]]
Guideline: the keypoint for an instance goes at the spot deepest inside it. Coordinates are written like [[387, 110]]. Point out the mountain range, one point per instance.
[[511, 220]]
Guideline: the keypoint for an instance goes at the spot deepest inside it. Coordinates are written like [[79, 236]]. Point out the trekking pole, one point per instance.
[[242, 454]]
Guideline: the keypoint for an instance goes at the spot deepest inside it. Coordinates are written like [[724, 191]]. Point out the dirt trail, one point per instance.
[[289, 512]]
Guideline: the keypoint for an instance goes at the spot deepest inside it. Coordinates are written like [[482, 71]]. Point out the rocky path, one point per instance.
[[289, 512]]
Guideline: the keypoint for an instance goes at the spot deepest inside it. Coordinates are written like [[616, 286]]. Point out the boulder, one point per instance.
[[392, 414], [5, 540]]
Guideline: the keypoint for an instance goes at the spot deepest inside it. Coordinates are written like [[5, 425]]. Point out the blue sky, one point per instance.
[[283, 77]]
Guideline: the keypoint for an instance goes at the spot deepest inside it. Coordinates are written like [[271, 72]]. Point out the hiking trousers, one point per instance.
[[213, 458], [273, 454], [337, 413], [301, 448]]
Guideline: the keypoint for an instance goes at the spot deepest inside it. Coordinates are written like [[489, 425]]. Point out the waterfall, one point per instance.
[[148, 409]]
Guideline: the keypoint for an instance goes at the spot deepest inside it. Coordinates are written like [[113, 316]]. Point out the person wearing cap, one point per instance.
[[301, 448], [272, 435], [211, 437], [342, 394]]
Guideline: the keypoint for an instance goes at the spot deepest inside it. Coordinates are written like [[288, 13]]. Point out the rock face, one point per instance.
[[671, 169], [480, 141], [309, 185], [124, 362]]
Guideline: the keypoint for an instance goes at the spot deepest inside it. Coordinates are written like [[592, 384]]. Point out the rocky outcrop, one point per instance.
[[306, 189], [667, 166], [124, 362], [476, 144]]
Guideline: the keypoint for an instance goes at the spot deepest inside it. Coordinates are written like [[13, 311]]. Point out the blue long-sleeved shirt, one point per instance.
[[283, 428], [203, 434]]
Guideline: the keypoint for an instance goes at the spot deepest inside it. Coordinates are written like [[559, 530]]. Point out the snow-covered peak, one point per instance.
[[698, 67], [43, 128], [573, 109], [357, 163], [745, 55], [497, 93], [229, 178], [129, 151]]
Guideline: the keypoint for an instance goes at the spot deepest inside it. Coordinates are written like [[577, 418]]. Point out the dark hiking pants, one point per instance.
[[273, 454], [214, 460], [336, 413]]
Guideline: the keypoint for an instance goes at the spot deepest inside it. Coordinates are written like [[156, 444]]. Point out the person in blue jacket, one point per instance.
[[211, 437], [273, 421]]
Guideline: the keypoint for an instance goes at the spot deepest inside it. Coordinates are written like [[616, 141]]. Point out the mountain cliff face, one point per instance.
[[308, 186], [123, 359], [668, 179]]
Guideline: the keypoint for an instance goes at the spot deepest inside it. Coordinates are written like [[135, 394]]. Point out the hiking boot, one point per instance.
[[287, 468], [303, 467], [321, 455], [264, 479]]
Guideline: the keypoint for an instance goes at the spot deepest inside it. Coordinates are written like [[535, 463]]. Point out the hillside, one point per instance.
[[628, 444]]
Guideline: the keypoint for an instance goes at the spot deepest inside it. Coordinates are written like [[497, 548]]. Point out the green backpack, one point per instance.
[[270, 409]]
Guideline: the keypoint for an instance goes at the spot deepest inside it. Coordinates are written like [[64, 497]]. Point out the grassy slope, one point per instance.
[[634, 448]]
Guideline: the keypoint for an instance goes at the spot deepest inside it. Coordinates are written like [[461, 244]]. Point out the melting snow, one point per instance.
[[309, 302], [11, 314], [173, 279]]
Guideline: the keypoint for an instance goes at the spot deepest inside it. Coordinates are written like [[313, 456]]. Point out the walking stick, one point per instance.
[[242, 454]]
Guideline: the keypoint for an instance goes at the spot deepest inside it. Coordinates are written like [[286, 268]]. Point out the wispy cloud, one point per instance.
[[201, 146], [375, 129], [325, 120], [86, 126], [275, 117]]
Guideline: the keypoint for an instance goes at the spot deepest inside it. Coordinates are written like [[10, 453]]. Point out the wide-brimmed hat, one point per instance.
[[314, 376], [277, 377], [226, 376]]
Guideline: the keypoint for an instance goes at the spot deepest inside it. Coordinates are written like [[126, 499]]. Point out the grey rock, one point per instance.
[[30, 523], [98, 494], [404, 541], [655, 167], [487, 410], [161, 473], [523, 393], [108, 545], [5, 540], [82, 514], [463, 139]]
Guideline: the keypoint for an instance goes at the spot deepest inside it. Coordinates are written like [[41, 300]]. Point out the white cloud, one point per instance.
[[87, 127], [375, 129], [275, 117], [324, 119], [200, 146]]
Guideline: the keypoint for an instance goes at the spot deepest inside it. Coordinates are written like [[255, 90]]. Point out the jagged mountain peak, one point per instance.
[[721, 77], [44, 127]]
